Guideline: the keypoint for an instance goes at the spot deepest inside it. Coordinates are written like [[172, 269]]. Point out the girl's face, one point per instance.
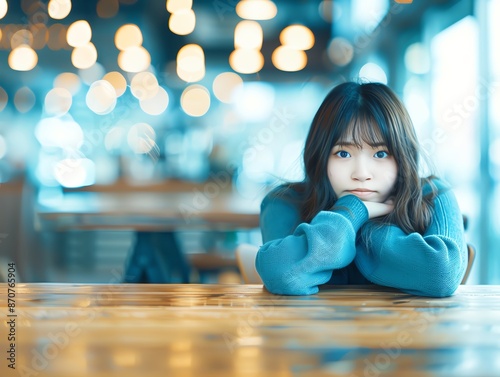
[[369, 172]]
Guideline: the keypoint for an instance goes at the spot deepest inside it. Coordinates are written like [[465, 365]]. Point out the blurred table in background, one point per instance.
[[242, 330], [155, 213]]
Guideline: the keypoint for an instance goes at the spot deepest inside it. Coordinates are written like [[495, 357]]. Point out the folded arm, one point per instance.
[[295, 261], [431, 264]]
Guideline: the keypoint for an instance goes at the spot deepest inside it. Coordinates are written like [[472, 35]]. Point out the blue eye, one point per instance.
[[381, 154], [343, 154]]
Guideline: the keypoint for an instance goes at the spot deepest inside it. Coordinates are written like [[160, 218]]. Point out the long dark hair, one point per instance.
[[349, 111]]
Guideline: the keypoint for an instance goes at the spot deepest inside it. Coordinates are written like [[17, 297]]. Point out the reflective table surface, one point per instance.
[[242, 330]]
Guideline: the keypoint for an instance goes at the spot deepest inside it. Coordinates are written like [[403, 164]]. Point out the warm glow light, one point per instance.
[[21, 37], [340, 51], [4, 7], [84, 57], [118, 81], [157, 104], [195, 100], [141, 138], [298, 37], [59, 9], [58, 101], [178, 5], [134, 59], [225, 85], [69, 81], [256, 9], [4, 98], [79, 34], [248, 35], [128, 35], [182, 22], [246, 61], [101, 97], [144, 85], [191, 63], [289, 59], [23, 58], [107, 8]]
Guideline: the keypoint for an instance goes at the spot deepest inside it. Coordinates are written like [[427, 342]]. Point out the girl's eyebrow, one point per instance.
[[351, 144]]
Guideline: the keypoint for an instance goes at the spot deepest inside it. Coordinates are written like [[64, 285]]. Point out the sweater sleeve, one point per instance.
[[431, 264], [294, 260]]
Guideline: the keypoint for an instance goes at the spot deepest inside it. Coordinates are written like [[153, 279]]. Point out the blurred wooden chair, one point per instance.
[[245, 259], [471, 252]]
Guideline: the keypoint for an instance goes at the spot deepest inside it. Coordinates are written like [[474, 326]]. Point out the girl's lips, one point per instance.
[[362, 193]]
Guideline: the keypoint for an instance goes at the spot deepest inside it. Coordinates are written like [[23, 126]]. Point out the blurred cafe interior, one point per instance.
[[114, 113]]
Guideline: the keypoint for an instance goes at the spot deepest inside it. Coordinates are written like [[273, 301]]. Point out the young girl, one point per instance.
[[362, 215]]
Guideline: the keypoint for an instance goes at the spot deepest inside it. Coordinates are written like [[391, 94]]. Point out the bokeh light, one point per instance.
[[101, 97], [144, 85], [134, 59], [174, 6], [127, 36], [224, 86], [59, 9], [23, 58], [289, 59], [24, 99], [58, 101], [182, 22], [191, 63], [69, 81], [4, 98], [141, 138], [298, 37], [157, 104], [246, 61], [118, 81], [256, 9], [75, 172], [340, 51], [84, 57], [59, 132], [4, 7], [79, 34], [195, 100]]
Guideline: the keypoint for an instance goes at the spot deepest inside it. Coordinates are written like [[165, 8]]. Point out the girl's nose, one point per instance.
[[361, 172]]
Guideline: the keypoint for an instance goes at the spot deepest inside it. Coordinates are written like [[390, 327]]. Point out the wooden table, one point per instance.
[[149, 211], [242, 330], [156, 255]]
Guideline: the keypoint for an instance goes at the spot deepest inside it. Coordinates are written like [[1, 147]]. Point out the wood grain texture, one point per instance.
[[242, 330]]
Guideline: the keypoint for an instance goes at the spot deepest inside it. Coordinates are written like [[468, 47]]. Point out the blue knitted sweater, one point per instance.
[[298, 257]]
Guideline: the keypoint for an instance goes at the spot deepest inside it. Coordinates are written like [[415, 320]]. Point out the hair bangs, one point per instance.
[[363, 128]]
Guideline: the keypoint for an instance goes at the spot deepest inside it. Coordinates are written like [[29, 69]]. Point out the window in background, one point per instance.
[[452, 142], [493, 91]]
